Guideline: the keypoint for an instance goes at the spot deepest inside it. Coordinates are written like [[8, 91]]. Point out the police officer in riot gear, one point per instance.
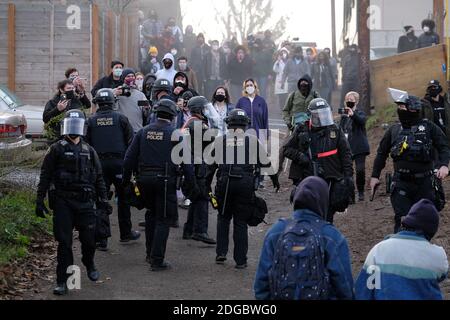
[[197, 190], [110, 133], [410, 144], [161, 90], [318, 147], [149, 158], [237, 181], [437, 107], [72, 175]]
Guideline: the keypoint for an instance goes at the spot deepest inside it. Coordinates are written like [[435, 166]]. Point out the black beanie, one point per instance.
[[126, 72], [113, 63], [423, 216]]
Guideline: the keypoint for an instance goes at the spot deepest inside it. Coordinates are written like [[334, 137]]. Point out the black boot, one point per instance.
[[93, 274], [160, 267], [203, 237], [60, 290], [361, 196], [133, 236]]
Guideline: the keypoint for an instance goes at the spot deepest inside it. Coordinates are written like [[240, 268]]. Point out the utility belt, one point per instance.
[[84, 195], [108, 156], [406, 175]]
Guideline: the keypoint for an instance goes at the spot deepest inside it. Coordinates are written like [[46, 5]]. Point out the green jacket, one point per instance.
[[297, 103]]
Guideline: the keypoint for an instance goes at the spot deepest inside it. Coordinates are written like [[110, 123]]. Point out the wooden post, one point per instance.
[[333, 28], [123, 39], [438, 13], [364, 46], [110, 29], [133, 43], [12, 47], [95, 45], [51, 78]]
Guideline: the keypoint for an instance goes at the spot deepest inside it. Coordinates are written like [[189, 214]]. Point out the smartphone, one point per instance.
[[143, 103]]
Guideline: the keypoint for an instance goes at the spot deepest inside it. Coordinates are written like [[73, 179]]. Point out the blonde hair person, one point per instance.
[[250, 83], [353, 94]]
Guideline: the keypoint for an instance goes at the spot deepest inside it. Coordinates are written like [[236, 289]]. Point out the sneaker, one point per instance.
[[134, 235], [60, 290], [221, 259], [93, 274], [141, 224], [160, 267], [203, 237], [241, 266], [186, 203]]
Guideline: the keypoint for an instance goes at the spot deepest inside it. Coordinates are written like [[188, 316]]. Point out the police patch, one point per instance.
[[422, 128], [333, 134], [155, 135]]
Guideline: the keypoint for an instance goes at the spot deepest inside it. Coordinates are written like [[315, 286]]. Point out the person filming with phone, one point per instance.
[[130, 101], [353, 123]]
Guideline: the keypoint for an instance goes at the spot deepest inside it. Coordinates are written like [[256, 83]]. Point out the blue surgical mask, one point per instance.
[[117, 72]]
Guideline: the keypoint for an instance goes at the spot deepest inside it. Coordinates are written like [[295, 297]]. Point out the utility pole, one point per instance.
[[364, 46], [438, 13], [333, 28]]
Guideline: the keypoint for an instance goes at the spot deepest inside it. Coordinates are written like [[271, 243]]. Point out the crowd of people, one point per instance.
[[129, 143]]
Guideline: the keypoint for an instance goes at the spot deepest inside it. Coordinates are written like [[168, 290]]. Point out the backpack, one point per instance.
[[299, 271]]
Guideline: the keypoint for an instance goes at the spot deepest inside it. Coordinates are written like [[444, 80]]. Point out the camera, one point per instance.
[[126, 91], [342, 111]]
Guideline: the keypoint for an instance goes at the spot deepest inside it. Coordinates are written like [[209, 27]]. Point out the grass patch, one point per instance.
[[386, 114], [19, 225]]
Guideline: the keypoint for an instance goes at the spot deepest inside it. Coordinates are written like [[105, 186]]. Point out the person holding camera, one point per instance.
[[129, 100], [353, 123]]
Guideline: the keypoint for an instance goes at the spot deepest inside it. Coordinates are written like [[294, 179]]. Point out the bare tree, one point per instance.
[[246, 17], [119, 6]]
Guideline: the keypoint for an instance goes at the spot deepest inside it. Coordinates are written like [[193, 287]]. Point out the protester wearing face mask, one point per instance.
[[408, 41], [222, 104], [183, 66], [64, 100], [281, 89], [73, 75], [239, 68], [181, 85], [152, 64], [299, 100], [255, 106], [139, 81], [168, 72], [353, 123], [112, 81], [429, 37], [215, 68], [437, 107], [296, 67], [129, 105]]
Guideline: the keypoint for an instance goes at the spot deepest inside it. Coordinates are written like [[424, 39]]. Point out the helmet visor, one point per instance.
[[322, 118], [73, 126], [399, 96], [213, 116]]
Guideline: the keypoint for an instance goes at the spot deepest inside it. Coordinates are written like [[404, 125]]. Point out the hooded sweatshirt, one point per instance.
[[168, 74], [311, 200], [187, 86], [297, 102]]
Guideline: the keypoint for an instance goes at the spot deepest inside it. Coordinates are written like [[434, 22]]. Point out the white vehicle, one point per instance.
[[10, 103]]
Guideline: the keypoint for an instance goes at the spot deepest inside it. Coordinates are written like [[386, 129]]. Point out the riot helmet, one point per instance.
[[161, 85], [401, 97], [200, 106], [104, 97], [73, 123], [166, 109], [237, 118], [321, 114]]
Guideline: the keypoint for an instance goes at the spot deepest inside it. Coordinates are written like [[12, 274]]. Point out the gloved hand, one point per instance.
[[275, 182], [41, 209], [105, 206]]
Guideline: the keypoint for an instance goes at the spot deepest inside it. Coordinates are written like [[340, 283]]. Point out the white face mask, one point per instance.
[[139, 84], [426, 29], [250, 90]]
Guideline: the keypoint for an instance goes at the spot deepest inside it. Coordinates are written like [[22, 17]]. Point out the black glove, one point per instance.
[[276, 183], [41, 209], [105, 206]]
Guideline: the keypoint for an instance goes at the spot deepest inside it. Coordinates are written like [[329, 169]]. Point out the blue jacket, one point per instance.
[[405, 266], [337, 257], [257, 111]]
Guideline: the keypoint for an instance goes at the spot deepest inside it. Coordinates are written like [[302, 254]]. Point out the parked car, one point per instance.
[[13, 144], [9, 102]]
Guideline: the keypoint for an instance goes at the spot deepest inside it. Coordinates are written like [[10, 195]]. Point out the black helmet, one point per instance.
[[321, 114], [187, 95], [104, 97], [73, 123], [166, 106], [237, 118], [401, 97], [161, 85], [197, 105], [414, 103]]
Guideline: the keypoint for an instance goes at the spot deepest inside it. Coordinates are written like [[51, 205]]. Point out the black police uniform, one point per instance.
[[412, 152], [330, 159], [197, 190], [149, 156], [110, 134], [72, 174], [235, 191]]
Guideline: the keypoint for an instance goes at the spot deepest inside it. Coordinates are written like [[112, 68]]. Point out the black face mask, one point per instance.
[[304, 90], [408, 118], [219, 97], [73, 136], [434, 92], [350, 104], [69, 94], [168, 65]]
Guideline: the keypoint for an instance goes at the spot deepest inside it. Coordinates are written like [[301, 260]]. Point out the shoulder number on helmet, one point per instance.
[[320, 103]]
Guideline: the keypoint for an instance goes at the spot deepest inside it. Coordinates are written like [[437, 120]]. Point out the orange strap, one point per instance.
[[327, 154]]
